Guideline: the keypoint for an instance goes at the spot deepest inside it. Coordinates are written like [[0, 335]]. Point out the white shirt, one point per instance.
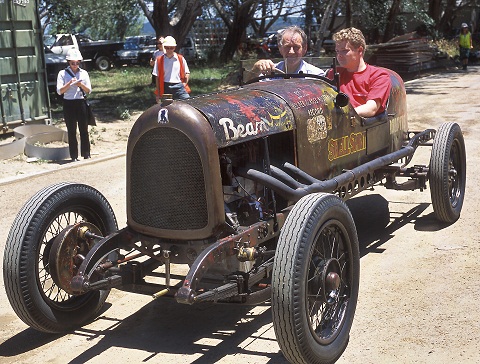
[[303, 68], [171, 69], [74, 92]]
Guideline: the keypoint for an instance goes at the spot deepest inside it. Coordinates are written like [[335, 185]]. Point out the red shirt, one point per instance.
[[372, 83]]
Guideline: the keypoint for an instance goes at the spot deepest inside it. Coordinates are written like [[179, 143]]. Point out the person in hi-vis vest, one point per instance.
[[465, 45], [172, 72]]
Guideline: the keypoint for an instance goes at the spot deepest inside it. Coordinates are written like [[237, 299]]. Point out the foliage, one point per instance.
[[378, 19], [448, 46], [108, 19]]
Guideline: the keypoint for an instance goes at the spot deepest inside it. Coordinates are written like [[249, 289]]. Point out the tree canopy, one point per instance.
[[107, 19], [380, 20]]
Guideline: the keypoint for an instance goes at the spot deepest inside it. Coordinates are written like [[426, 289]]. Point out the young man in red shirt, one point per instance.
[[367, 86]]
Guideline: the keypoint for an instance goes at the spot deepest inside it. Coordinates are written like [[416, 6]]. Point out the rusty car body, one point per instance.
[[246, 187]]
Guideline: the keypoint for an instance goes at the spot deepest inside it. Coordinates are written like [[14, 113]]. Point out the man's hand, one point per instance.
[[263, 66]]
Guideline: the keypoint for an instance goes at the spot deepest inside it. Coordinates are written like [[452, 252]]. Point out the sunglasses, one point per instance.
[[74, 63], [169, 47]]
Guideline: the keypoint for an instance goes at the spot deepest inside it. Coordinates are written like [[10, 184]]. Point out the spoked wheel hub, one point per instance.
[[68, 251], [328, 280]]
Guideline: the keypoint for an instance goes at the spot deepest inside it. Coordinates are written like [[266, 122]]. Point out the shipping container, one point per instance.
[[23, 82]]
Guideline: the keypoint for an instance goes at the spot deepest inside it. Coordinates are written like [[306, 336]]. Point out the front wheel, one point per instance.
[[315, 280], [30, 288], [448, 173]]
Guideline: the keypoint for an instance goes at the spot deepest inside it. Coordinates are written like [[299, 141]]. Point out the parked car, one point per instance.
[[129, 55], [142, 40], [191, 51], [101, 53], [145, 55]]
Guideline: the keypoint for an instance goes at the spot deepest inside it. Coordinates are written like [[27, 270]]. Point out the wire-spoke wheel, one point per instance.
[[31, 290], [315, 280]]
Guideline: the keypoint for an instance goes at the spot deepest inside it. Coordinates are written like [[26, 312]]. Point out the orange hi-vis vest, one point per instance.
[[160, 90]]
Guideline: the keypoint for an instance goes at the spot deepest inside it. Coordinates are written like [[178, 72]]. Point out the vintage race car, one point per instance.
[[246, 187]]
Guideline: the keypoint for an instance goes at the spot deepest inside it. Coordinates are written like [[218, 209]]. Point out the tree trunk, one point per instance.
[[435, 9], [348, 13], [236, 28], [323, 26], [392, 16], [179, 25]]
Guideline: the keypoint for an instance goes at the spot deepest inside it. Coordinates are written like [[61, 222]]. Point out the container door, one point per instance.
[[23, 86]]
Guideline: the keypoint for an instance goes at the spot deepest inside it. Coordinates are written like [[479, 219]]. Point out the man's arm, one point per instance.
[[369, 109]]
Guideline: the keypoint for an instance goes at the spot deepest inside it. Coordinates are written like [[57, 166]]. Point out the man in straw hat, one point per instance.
[[172, 72]]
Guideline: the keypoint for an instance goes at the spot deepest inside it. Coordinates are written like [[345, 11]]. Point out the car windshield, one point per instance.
[[48, 40]]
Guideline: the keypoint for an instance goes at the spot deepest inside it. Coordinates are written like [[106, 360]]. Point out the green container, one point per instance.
[[23, 82]]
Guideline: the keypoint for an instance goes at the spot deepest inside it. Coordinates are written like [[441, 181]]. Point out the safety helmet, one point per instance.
[[464, 25], [169, 41], [74, 55]]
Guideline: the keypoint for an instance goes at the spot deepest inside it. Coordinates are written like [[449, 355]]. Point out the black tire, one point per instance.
[[103, 63], [32, 293], [447, 173], [319, 237]]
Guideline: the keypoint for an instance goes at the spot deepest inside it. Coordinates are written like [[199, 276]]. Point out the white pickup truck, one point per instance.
[[102, 53]]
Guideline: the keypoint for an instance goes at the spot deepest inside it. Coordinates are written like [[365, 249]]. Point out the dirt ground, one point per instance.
[[107, 139], [419, 296]]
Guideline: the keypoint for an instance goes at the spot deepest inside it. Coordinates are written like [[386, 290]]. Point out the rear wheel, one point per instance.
[[103, 63], [448, 172], [33, 294], [315, 280]]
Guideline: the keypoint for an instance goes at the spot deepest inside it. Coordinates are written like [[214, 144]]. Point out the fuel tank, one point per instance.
[[263, 108]]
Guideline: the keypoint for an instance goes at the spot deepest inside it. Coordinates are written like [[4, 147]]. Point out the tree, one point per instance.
[[392, 16], [173, 18], [268, 12], [236, 16], [108, 19], [445, 12], [323, 25]]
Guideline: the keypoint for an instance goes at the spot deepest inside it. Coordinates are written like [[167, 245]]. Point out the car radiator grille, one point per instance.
[[167, 183]]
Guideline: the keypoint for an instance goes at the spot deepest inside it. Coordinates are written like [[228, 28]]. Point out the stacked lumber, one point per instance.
[[403, 56]]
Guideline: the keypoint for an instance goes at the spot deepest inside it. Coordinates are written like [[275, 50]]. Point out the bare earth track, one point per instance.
[[419, 293]]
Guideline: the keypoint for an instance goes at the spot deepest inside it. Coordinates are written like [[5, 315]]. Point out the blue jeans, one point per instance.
[[176, 89]]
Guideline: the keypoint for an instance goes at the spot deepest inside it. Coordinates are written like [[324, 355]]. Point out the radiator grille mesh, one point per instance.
[[167, 183]]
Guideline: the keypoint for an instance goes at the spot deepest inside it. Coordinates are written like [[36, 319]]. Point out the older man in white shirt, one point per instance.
[[292, 44]]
